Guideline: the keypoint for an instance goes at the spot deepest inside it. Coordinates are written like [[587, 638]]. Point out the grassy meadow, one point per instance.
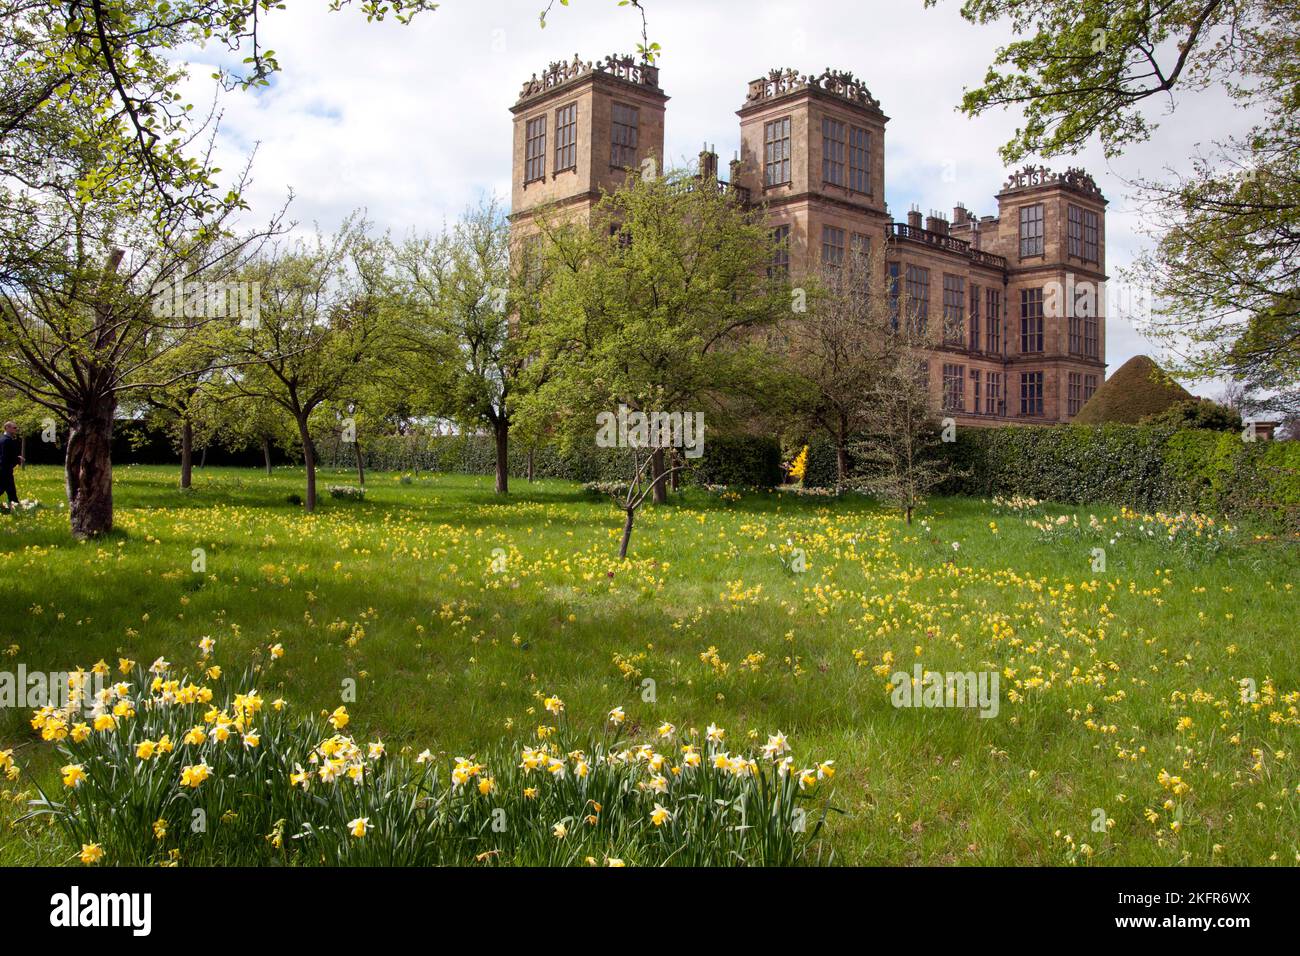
[[1123, 735]]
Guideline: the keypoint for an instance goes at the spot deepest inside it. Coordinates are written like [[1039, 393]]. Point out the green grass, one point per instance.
[[398, 594]]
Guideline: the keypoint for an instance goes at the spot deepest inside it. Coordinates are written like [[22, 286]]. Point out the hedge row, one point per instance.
[[1142, 466], [727, 460]]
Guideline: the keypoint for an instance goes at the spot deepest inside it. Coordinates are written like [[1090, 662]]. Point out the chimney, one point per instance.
[[936, 223], [914, 218], [959, 214], [708, 163], [735, 168]]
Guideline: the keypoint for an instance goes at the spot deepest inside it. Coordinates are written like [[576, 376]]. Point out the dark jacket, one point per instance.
[[9, 446]]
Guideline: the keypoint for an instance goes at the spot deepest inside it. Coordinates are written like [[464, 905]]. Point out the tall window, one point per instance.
[[1090, 336], [780, 252], [975, 390], [1089, 387], [975, 326], [918, 297], [1075, 323], [535, 150], [954, 310], [1074, 231], [860, 245], [954, 388], [566, 137], [892, 282], [1091, 231], [1031, 320], [1031, 394], [833, 152], [776, 151], [832, 246], [1031, 230], [993, 394], [993, 319], [625, 121], [859, 160], [1074, 394]]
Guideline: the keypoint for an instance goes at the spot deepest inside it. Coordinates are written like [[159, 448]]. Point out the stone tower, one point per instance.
[[579, 128]]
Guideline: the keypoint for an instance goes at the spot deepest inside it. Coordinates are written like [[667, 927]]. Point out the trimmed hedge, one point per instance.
[[823, 464], [753, 461], [744, 460], [1142, 466]]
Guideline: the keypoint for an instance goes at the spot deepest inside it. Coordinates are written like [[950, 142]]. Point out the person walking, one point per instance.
[[9, 460]]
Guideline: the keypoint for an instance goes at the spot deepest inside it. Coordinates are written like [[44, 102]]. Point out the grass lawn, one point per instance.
[[1107, 679]]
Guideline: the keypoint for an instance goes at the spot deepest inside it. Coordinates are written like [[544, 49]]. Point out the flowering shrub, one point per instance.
[[617, 489], [799, 467], [347, 492], [191, 772]]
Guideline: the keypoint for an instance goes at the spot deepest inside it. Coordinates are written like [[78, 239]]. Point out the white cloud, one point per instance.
[[412, 122]]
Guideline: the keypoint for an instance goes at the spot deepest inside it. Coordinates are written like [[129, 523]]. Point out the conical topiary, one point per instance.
[[1138, 388]]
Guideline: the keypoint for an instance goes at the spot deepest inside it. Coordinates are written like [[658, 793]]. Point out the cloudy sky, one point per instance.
[[412, 124]]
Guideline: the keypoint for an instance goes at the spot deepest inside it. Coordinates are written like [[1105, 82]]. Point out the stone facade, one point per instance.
[[1020, 294]]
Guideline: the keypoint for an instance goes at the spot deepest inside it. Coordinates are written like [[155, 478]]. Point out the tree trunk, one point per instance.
[[203, 457], [627, 533], [361, 466], [501, 428], [187, 453], [88, 469], [309, 462], [657, 469], [531, 468], [266, 453]]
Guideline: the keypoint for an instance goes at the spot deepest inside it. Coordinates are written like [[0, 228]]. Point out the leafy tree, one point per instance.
[[239, 422], [119, 61], [324, 328], [462, 289], [837, 348], [84, 326], [897, 458], [1198, 413], [654, 305]]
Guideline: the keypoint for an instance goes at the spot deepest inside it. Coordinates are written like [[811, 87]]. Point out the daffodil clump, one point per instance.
[[160, 769]]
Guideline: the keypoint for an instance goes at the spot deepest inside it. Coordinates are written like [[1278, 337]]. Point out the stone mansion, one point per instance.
[[812, 153]]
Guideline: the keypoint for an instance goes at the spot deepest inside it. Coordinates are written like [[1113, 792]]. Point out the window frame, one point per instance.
[[993, 319], [1091, 236], [1031, 394], [1031, 321], [834, 158], [1073, 391], [780, 264], [785, 162], [916, 281], [535, 149], [859, 173], [837, 249], [629, 144], [566, 121], [1032, 244], [954, 309], [954, 387]]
